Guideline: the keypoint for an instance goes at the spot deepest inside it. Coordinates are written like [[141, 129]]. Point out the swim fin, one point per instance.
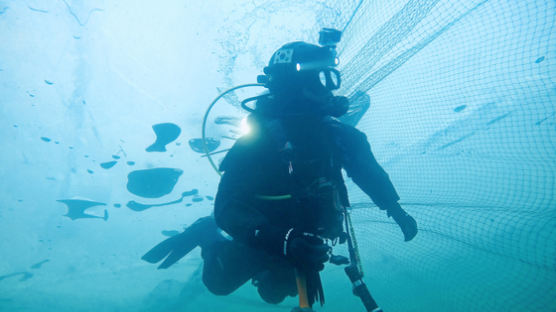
[[176, 247]]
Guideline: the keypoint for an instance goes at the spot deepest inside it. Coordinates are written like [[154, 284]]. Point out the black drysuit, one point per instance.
[[283, 157]]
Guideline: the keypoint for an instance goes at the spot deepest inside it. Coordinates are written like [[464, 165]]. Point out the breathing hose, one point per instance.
[[205, 118]]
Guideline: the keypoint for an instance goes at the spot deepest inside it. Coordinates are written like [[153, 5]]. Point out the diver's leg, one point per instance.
[[228, 265], [276, 283]]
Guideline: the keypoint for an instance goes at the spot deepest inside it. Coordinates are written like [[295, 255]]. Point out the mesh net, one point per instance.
[[462, 118]]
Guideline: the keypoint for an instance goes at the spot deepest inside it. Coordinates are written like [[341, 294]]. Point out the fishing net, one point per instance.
[[462, 117]]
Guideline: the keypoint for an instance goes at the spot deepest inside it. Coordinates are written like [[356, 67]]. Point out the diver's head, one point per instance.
[[301, 77], [299, 65]]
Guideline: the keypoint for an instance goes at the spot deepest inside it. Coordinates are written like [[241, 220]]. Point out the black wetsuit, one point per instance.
[[283, 157]]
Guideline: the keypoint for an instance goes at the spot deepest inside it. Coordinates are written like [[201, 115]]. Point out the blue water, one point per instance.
[[101, 107]]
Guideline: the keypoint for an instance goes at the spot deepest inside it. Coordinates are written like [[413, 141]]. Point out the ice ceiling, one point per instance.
[[101, 104]]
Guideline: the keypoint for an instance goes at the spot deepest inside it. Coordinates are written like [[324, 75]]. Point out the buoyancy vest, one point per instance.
[[300, 182]]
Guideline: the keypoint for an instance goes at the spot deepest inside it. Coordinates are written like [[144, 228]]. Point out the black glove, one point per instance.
[[306, 251], [407, 224]]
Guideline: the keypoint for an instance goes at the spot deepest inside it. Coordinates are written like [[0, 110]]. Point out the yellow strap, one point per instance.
[[302, 289]]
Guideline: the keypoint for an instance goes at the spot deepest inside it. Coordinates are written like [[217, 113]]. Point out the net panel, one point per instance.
[[463, 119]]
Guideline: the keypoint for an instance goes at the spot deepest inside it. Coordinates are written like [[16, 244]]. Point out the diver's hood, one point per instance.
[[300, 78], [298, 65]]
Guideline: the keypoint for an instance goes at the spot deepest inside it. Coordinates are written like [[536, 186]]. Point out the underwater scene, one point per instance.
[[216, 155]]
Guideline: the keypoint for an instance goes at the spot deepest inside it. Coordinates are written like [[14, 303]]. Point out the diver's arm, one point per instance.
[[233, 208], [360, 163], [236, 210]]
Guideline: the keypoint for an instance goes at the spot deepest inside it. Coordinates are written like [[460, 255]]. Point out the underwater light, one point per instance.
[[244, 126]]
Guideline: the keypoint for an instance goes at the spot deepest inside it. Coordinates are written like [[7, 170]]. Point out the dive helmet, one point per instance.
[[303, 69], [298, 64]]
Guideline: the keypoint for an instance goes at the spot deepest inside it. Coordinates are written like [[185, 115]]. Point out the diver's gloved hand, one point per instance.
[[407, 224], [306, 251]]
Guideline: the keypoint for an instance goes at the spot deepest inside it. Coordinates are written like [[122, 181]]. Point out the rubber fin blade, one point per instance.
[[160, 251]]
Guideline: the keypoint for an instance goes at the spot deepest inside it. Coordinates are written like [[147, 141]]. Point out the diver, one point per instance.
[[282, 193]]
